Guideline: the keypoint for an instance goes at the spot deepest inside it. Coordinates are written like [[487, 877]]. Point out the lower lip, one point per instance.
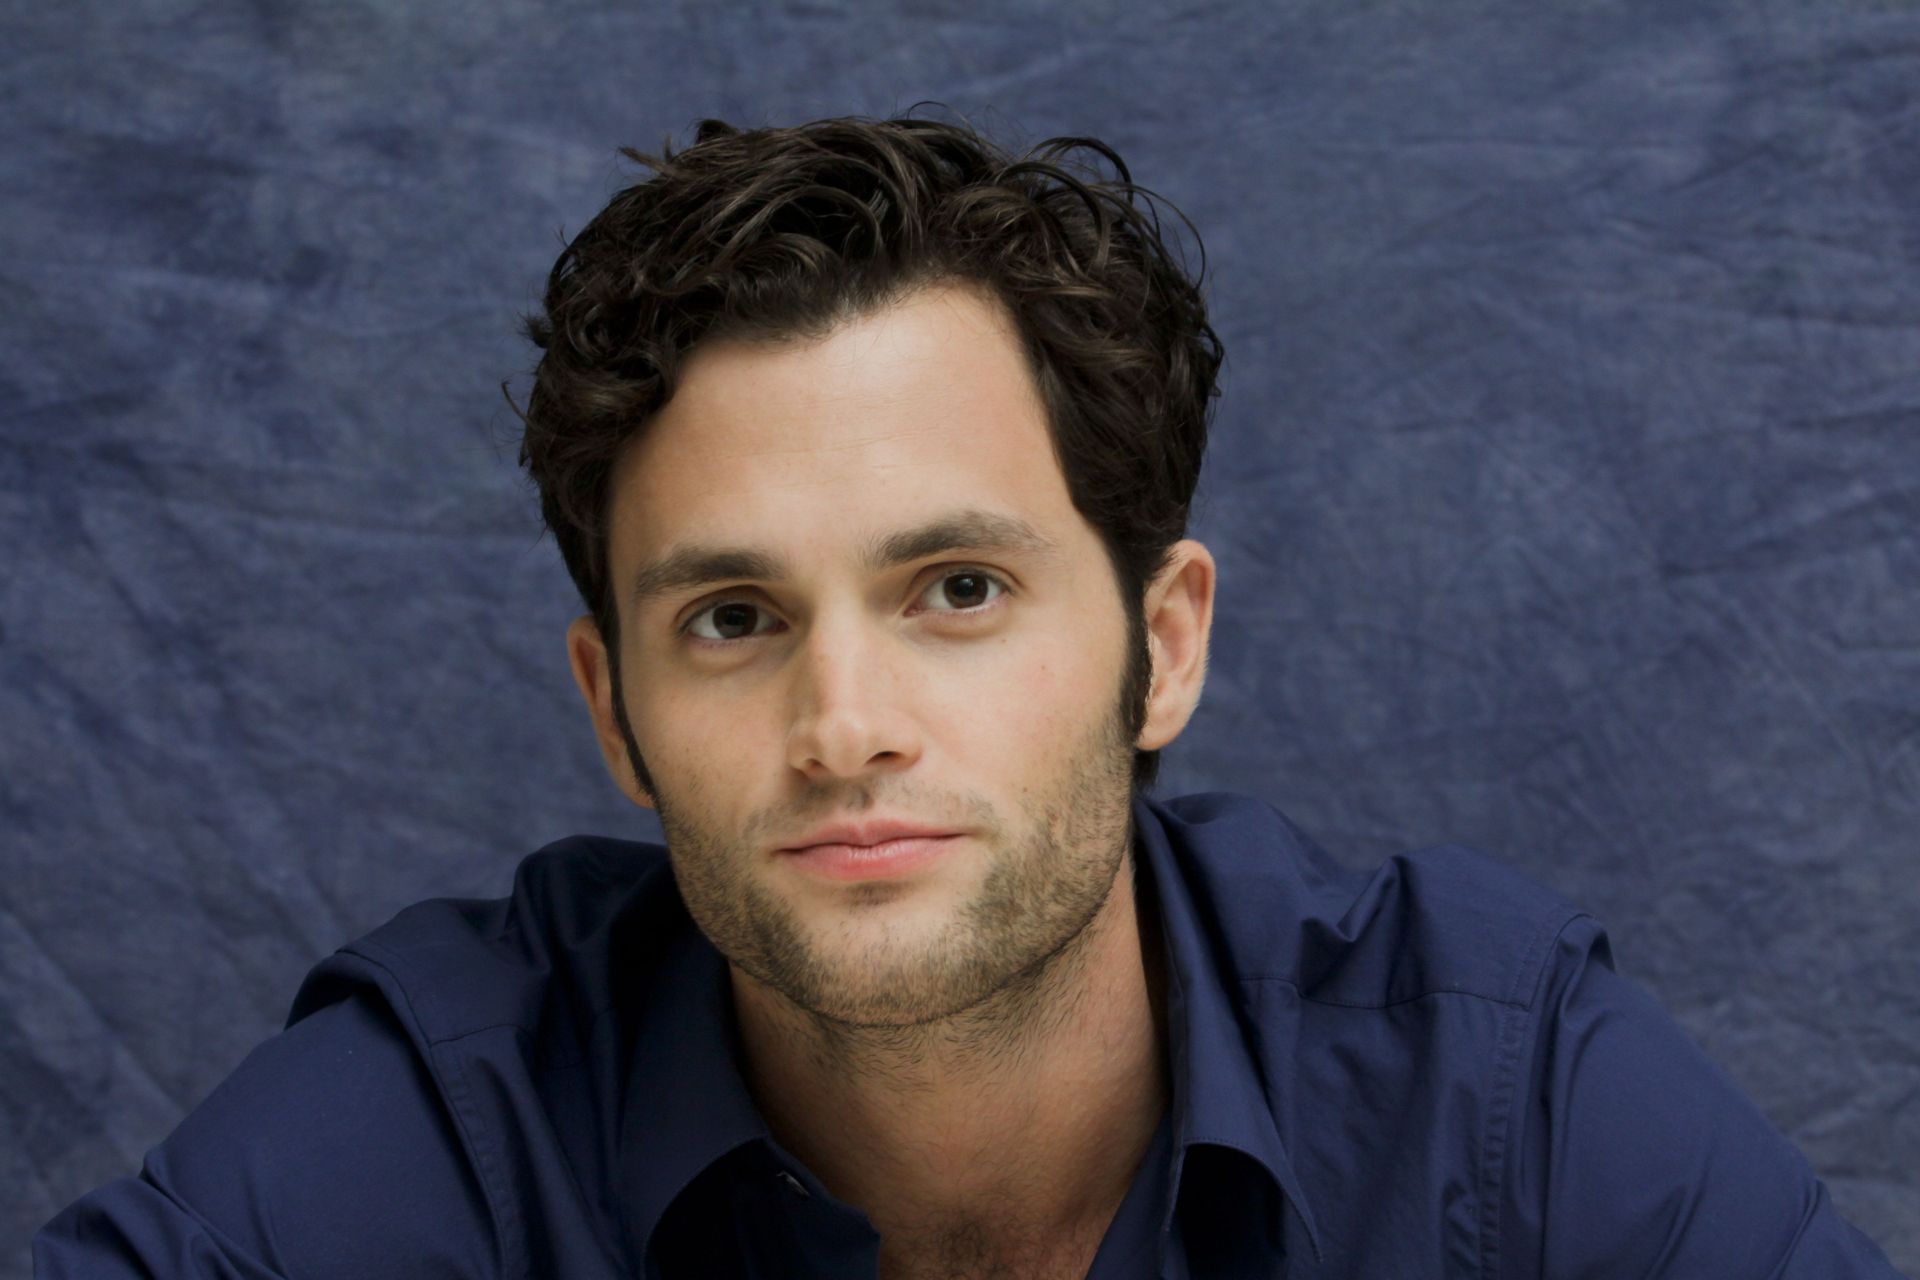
[[871, 861]]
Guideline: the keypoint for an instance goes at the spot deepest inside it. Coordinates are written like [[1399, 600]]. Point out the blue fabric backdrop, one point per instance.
[[1564, 486]]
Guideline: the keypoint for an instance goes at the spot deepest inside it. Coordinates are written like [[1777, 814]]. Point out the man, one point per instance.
[[870, 452]]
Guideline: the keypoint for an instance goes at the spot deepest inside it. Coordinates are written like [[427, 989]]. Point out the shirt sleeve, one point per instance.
[[1633, 1155], [327, 1153]]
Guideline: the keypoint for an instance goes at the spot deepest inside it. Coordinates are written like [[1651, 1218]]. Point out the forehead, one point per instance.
[[818, 446]]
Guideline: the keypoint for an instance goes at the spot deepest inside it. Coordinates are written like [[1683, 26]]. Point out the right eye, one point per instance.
[[728, 621]]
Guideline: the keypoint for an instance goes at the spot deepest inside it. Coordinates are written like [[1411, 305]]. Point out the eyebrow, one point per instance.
[[969, 529]]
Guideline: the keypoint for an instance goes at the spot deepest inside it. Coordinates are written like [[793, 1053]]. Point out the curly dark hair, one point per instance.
[[781, 233]]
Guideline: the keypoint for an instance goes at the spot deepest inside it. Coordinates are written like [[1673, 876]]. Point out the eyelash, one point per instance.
[[958, 571]]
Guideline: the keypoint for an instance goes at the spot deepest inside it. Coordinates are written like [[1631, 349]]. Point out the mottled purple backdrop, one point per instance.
[[1564, 485]]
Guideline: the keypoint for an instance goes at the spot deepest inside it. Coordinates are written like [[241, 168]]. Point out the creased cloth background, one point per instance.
[[1564, 484]]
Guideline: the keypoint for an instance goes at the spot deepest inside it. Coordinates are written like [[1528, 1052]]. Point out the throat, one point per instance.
[[979, 1249]]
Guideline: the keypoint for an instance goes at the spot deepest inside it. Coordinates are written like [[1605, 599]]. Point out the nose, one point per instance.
[[848, 717]]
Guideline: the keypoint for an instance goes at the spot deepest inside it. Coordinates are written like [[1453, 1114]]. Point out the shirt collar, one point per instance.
[[686, 1103], [1218, 1098]]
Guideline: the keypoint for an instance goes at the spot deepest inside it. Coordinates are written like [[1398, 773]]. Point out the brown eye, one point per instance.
[[728, 620], [966, 590]]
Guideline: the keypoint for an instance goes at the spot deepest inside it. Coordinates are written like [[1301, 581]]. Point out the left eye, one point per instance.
[[968, 589], [728, 615]]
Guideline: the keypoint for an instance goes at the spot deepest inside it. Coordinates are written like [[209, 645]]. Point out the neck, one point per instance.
[[1030, 1111]]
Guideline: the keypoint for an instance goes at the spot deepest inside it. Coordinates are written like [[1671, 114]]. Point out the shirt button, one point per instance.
[[794, 1184]]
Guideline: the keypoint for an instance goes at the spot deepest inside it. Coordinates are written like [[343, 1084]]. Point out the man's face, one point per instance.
[[971, 687]]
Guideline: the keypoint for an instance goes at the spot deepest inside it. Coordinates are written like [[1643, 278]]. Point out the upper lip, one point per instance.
[[872, 831]]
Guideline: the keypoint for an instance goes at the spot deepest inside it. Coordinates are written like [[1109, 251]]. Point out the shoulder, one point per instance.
[[1604, 1141], [327, 1152], [1440, 918], [375, 1134], [545, 959], [337, 1132]]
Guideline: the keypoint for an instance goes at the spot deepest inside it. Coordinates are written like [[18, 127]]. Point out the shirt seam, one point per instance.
[[460, 1096], [437, 1041], [388, 960], [1496, 1145], [1388, 1004], [513, 1251]]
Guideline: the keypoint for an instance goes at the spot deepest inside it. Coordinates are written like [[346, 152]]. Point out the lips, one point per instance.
[[871, 832], [855, 863]]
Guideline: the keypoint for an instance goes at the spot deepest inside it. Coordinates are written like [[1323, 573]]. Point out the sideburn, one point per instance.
[[610, 632]]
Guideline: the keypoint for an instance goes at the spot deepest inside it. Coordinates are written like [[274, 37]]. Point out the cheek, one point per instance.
[[686, 735], [1031, 696]]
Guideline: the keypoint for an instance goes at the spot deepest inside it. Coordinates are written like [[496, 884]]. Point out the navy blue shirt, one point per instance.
[[1432, 1069]]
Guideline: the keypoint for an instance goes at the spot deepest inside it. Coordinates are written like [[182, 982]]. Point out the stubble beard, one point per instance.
[[999, 974]]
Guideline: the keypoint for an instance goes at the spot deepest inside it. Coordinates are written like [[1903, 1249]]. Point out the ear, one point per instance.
[[1179, 614], [587, 653]]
